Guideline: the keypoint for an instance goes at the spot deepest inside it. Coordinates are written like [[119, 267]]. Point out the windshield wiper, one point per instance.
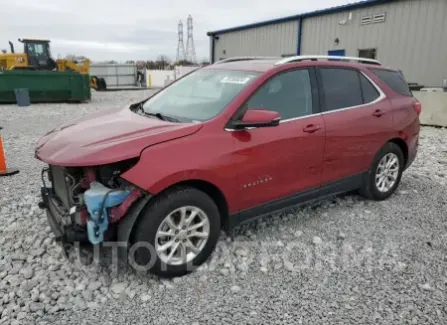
[[161, 116], [157, 115]]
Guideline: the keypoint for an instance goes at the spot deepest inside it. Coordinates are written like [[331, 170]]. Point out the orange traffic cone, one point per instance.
[[3, 170]]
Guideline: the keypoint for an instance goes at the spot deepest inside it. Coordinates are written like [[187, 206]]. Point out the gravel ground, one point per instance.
[[342, 261]]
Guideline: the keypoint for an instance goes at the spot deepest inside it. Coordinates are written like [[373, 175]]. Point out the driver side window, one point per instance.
[[288, 93]]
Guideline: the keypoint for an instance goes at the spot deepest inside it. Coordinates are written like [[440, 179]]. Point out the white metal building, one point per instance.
[[407, 34], [115, 75]]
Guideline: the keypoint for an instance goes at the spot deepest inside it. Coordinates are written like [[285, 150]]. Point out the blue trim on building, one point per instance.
[[212, 49], [259, 24], [351, 6], [300, 33]]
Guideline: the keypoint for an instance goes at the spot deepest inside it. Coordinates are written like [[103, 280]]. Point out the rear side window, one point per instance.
[[395, 80], [370, 93], [341, 88]]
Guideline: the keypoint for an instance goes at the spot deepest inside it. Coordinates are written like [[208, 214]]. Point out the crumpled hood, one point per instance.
[[106, 137]]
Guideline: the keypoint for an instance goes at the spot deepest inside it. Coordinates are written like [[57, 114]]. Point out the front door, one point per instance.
[[358, 122], [276, 162]]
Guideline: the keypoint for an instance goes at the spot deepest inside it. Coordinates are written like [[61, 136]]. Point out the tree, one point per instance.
[[162, 62], [204, 62], [184, 63]]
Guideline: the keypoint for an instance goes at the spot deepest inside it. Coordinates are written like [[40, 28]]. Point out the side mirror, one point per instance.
[[257, 118]]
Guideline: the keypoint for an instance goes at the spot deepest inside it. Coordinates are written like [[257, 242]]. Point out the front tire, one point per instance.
[[384, 176], [177, 232]]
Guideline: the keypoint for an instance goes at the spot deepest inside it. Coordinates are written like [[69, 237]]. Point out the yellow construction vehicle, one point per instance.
[[37, 56]]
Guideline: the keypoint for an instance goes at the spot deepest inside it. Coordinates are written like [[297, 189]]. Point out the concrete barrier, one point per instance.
[[156, 78], [161, 78], [434, 107]]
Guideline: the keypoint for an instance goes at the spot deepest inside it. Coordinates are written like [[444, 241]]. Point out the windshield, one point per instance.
[[199, 96]]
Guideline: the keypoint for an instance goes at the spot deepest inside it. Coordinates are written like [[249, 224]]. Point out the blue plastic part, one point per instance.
[[93, 198]]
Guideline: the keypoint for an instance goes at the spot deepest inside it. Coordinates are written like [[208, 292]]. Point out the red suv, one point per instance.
[[229, 142]]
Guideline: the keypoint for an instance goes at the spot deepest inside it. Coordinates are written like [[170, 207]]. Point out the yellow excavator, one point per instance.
[[37, 56]]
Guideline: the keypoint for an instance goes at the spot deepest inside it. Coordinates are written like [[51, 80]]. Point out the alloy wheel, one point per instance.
[[182, 235], [387, 172]]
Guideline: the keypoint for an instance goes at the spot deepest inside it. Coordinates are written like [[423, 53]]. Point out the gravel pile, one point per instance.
[[342, 261]]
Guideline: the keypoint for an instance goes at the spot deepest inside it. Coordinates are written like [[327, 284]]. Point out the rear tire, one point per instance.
[[383, 178], [102, 84], [160, 225]]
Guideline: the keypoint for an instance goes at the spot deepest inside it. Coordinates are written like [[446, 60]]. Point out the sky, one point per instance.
[[134, 29]]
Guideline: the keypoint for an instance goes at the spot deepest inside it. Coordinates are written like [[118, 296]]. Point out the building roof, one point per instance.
[[350, 6]]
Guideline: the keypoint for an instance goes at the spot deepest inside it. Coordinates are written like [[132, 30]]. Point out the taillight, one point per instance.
[[417, 107]]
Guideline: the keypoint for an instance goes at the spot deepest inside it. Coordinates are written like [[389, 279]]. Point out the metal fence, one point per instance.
[[115, 75]]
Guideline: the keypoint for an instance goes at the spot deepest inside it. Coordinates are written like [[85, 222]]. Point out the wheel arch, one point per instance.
[[403, 146], [210, 189], [369, 189], [127, 225]]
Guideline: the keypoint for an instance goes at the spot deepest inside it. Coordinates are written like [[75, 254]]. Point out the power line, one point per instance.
[[181, 54], [190, 48]]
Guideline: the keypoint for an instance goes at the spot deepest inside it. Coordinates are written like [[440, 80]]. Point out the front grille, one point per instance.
[[60, 186]]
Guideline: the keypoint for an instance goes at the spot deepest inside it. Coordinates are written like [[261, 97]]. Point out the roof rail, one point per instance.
[[246, 58], [327, 57]]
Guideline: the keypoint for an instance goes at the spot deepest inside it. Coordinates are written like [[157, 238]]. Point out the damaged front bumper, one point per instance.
[[58, 219], [65, 234], [77, 223]]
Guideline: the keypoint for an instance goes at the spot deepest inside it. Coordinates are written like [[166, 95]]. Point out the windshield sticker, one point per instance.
[[235, 80]]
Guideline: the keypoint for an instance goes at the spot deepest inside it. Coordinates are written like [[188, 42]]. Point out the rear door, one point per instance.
[[277, 162], [357, 118]]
